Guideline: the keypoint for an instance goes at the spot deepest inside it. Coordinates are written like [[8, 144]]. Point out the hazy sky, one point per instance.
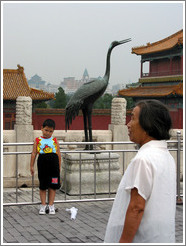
[[60, 39]]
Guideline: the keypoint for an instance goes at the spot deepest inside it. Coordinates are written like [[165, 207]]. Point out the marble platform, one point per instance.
[[89, 173]]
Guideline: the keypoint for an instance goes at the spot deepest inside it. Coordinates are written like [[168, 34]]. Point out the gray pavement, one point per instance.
[[23, 224]]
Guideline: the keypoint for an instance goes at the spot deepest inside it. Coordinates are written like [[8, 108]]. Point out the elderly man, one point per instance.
[[145, 203]]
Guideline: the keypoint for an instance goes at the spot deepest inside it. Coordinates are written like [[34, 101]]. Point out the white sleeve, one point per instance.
[[140, 176]]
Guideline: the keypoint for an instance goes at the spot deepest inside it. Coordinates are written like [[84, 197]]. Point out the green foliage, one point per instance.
[[61, 100], [40, 105], [130, 102], [68, 96], [103, 102], [51, 103]]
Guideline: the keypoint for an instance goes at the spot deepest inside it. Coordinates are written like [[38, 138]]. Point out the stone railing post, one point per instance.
[[24, 133], [118, 120], [119, 128]]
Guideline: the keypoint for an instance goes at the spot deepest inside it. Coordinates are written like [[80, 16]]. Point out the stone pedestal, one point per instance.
[[80, 173]]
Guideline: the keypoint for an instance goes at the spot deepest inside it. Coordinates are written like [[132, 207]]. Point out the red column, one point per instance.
[[170, 72], [141, 69], [181, 65]]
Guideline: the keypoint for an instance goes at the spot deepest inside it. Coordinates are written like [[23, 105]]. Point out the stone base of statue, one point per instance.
[[88, 174]]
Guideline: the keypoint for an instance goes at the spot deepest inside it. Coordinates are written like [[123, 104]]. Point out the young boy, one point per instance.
[[48, 164]]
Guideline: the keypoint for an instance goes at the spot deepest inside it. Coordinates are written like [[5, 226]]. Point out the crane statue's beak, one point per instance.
[[125, 41]]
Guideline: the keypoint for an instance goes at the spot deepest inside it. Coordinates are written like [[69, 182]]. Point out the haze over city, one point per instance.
[[60, 39]]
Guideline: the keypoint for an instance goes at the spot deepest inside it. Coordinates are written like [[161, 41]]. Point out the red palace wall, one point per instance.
[[101, 119], [99, 122], [177, 118]]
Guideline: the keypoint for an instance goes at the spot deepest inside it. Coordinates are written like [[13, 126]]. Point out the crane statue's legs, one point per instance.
[[87, 117], [85, 127], [90, 127]]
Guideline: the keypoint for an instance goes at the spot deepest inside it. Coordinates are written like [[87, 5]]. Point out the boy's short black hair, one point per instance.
[[155, 119], [49, 123]]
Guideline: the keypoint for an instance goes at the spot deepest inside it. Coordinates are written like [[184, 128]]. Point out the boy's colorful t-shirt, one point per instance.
[[46, 145]]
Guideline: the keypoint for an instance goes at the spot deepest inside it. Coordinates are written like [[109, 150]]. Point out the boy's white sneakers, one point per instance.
[[51, 209], [42, 209]]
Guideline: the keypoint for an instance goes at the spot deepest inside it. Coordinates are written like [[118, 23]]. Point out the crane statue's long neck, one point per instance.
[[107, 71]]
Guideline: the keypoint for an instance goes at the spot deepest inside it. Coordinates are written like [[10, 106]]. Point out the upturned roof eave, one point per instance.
[[145, 49], [158, 91]]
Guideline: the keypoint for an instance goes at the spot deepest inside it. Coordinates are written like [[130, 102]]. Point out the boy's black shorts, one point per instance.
[[48, 171]]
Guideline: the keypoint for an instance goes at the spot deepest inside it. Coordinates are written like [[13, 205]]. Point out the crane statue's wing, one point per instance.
[[88, 89]]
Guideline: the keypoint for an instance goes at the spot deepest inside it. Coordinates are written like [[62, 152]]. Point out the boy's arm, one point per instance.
[[59, 155], [33, 157]]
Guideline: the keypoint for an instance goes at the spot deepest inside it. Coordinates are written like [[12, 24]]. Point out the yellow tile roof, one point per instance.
[[164, 44], [153, 91], [15, 85]]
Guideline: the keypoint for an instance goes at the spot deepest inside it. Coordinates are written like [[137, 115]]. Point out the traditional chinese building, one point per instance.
[[15, 85], [163, 77], [37, 82]]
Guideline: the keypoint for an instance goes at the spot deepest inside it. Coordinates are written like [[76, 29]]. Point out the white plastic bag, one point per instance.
[[73, 212]]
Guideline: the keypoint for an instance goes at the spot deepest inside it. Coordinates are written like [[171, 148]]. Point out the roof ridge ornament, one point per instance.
[[20, 68]]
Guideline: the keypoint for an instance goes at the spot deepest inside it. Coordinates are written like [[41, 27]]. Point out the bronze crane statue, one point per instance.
[[86, 95]]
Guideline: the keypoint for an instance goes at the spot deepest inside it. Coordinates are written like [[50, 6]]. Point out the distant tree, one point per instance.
[[60, 99], [51, 103], [68, 96], [40, 105], [130, 102], [107, 100], [103, 102]]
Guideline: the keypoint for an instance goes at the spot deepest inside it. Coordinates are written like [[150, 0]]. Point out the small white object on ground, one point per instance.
[[73, 212]]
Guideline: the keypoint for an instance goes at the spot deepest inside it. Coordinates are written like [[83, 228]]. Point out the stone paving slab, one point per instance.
[[23, 224]]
